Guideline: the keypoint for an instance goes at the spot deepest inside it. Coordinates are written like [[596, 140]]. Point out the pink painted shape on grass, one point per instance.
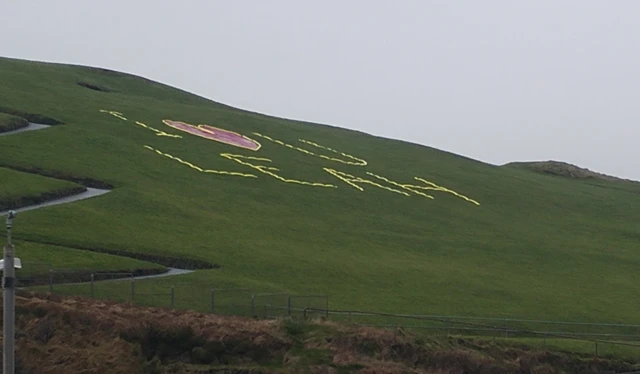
[[230, 137], [217, 134]]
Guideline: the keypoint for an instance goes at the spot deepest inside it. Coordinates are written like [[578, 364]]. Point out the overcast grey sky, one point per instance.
[[497, 81]]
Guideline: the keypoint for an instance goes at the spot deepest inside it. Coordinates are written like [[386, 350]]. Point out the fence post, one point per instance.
[[92, 292], [51, 280], [213, 298], [506, 332], [173, 297], [253, 306], [133, 290], [326, 306], [289, 305]]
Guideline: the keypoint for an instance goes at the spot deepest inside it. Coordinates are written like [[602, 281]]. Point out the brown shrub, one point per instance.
[[66, 335]]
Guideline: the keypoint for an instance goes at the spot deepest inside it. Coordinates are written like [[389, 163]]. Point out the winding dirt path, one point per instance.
[[89, 193]]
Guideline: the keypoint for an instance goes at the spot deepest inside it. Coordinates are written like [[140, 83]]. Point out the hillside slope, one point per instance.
[[376, 224]]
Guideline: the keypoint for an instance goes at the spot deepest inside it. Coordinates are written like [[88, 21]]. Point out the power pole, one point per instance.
[[9, 294]]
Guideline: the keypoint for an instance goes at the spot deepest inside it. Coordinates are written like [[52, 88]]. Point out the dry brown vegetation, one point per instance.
[[76, 335]]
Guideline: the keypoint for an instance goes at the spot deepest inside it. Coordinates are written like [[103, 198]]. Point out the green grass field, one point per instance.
[[536, 246]]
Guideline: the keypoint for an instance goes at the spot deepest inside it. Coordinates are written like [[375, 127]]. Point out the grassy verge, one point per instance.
[[21, 189], [10, 122], [47, 265], [623, 350], [38, 258], [316, 344], [28, 116], [174, 291]]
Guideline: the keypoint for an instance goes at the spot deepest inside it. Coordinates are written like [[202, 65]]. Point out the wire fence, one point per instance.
[[599, 338], [125, 287], [501, 327]]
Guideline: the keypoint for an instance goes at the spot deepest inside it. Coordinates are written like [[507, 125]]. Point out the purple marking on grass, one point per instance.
[[232, 137], [217, 134]]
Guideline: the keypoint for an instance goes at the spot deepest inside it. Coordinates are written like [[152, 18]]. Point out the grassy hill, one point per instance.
[[305, 219]]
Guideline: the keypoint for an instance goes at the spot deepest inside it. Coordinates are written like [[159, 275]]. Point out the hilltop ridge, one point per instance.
[[567, 170]]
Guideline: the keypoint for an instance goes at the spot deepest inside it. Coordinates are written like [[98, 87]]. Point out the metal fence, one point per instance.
[[601, 339], [125, 287], [501, 327]]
